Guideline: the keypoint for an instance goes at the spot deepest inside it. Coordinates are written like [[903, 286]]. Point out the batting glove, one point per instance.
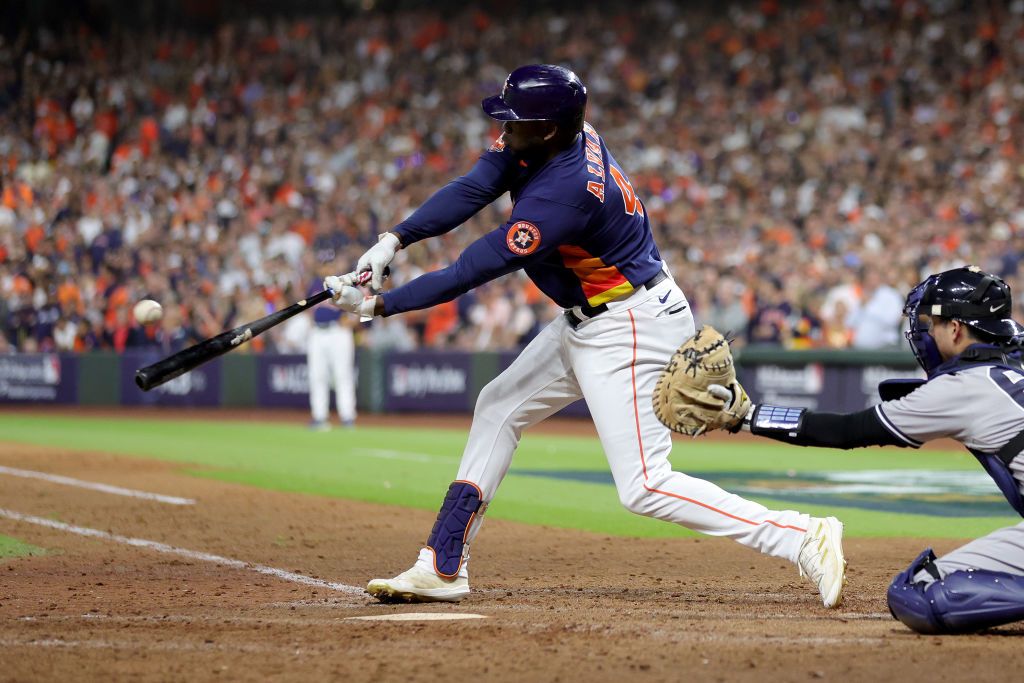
[[349, 298], [346, 280], [378, 257]]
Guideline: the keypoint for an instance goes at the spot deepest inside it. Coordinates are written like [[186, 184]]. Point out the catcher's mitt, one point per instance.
[[682, 400]]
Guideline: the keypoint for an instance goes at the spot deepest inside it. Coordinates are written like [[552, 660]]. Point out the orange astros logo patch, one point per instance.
[[523, 238]]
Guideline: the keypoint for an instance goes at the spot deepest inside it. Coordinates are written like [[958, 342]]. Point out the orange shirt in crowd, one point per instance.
[[69, 295], [149, 135], [33, 236], [441, 320], [306, 228], [15, 192]]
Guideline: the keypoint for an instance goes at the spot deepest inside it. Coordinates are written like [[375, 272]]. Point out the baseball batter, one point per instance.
[[582, 235], [962, 335]]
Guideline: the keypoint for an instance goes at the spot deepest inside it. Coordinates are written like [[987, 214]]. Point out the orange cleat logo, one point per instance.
[[523, 238]]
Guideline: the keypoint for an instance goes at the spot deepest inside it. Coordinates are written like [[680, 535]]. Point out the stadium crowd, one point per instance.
[[802, 164]]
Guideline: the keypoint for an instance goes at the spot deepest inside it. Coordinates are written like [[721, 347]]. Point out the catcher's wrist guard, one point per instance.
[[769, 420]]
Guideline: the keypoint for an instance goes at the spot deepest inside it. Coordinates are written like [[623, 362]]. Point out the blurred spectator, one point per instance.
[[876, 324], [771, 322], [724, 310], [389, 334], [781, 143], [835, 333]]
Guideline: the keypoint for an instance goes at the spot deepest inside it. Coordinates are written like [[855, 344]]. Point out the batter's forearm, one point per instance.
[[425, 291], [478, 264]]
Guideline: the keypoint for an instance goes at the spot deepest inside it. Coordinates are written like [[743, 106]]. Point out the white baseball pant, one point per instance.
[[613, 360], [331, 359]]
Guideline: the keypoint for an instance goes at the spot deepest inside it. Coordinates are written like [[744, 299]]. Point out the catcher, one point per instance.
[[962, 336]]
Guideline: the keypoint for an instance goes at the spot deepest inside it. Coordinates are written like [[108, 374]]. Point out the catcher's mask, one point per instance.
[[977, 299]]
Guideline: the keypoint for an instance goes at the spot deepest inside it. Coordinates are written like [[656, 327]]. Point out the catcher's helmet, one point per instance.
[[977, 299], [540, 92]]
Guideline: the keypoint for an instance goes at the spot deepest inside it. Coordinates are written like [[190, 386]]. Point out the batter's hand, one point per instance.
[[378, 257], [349, 298]]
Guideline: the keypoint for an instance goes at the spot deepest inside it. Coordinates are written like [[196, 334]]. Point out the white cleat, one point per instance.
[[419, 585], [821, 558]]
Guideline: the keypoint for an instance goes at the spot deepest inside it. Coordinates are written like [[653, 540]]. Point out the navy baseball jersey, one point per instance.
[[577, 229]]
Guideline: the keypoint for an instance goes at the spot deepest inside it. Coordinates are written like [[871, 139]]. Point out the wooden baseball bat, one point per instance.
[[181, 362]]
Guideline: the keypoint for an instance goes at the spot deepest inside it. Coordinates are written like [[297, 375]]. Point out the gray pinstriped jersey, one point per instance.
[[982, 407]]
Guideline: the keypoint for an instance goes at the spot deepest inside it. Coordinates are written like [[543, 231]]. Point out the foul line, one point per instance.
[[182, 552], [105, 488]]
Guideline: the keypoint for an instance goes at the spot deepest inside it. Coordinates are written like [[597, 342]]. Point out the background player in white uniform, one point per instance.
[[330, 357], [961, 334], [583, 237]]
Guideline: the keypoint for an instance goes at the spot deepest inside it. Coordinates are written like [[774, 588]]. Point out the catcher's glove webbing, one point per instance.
[[682, 400]]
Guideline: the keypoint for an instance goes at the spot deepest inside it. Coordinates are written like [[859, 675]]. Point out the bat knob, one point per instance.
[[142, 379]]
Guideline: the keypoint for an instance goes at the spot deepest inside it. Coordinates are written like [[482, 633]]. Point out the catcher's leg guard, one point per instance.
[[961, 602], [452, 529], [907, 601]]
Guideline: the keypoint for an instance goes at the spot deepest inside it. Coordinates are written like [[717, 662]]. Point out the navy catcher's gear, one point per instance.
[[540, 92], [997, 465], [895, 389], [921, 341], [961, 602], [978, 299], [906, 599], [448, 537]]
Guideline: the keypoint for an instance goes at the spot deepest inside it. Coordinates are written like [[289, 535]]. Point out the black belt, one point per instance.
[[590, 311]]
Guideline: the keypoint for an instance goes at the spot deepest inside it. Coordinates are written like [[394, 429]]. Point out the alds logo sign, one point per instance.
[[523, 238]]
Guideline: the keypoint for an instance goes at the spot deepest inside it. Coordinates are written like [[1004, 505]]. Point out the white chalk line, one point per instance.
[[236, 620], [105, 488], [165, 646], [181, 552], [411, 456]]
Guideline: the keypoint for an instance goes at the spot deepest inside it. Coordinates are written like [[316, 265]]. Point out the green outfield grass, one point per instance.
[[555, 480], [12, 547]]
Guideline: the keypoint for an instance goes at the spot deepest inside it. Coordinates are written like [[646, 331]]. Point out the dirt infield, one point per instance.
[[559, 605]]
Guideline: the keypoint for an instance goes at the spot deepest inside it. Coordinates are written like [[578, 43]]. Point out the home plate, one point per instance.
[[419, 616]]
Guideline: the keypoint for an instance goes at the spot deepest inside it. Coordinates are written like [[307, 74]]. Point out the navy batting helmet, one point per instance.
[[540, 92], [977, 299]]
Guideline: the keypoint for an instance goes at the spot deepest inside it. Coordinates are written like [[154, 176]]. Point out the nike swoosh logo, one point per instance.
[[991, 309], [663, 299]]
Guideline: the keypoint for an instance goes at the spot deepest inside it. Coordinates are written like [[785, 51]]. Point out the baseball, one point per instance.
[[148, 311]]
